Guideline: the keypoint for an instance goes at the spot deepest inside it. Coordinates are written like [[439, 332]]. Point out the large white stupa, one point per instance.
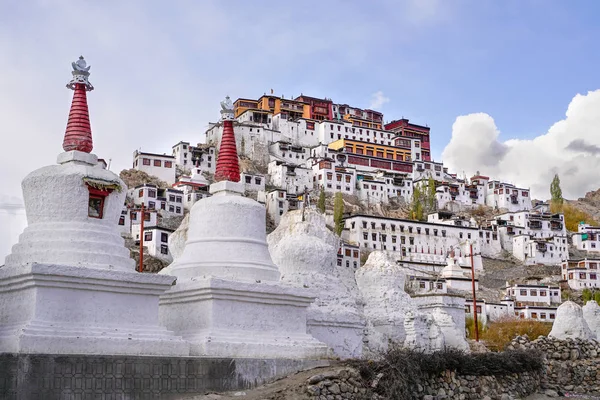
[[69, 285], [228, 301]]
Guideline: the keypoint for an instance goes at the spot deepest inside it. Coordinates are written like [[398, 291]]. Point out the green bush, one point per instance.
[[500, 333]]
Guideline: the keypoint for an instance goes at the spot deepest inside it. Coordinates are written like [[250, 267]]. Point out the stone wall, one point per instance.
[[572, 365], [345, 383], [50, 377]]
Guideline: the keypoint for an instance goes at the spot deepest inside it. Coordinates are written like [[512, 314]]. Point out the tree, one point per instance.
[[416, 204], [556, 199], [431, 201], [321, 202], [338, 213], [597, 296], [586, 295]]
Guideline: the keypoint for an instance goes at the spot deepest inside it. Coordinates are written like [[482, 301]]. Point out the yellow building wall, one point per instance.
[[397, 153]]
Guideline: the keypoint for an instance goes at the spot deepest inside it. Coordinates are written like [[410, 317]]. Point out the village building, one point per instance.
[[404, 128], [413, 241], [153, 197], [587, 238], [156, 240], [161, 166], [348, 255], [294, 179], [581, 274], [253, 182]]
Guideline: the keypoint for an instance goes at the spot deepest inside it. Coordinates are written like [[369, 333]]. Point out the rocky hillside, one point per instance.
[[590, 204], [133, 177]]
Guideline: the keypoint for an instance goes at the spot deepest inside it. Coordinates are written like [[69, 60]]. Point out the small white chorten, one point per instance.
[[228, 301], [69, 286]]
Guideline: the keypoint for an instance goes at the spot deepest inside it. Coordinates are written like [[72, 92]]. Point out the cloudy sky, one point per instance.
[[507, 87]]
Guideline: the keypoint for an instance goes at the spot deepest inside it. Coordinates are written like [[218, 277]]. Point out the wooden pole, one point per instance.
[[141, 267], [474, 295]]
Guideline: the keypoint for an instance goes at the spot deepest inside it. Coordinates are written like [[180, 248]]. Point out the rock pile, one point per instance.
[[556, 349], [345, 383], [339, 384], [453, 386], [572, 365]]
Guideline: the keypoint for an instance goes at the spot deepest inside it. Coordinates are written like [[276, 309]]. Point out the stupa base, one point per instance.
[[344, 337], [56, 309], [225, 318]]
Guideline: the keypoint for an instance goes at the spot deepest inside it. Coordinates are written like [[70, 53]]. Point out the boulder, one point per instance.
[[569, 323], [591, 314]]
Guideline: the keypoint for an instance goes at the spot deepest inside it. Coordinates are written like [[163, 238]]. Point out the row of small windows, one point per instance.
[[156, 163], [534, 292], [418, 229]]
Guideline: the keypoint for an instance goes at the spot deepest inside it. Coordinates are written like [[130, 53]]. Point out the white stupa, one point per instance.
[[69, 286], [228, 301]]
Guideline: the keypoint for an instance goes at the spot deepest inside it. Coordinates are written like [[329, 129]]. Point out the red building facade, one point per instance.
[[404, 128], [320, 109]]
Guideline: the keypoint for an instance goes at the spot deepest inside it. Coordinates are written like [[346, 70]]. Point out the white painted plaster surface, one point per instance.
[[226, 318], [391, 315], [570, 323], [305, 252], [59, 229], [55, 309], [591, 314], [178, 238], [226, 239]]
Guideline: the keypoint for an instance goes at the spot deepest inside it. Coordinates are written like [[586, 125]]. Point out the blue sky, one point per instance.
[[160, 68]]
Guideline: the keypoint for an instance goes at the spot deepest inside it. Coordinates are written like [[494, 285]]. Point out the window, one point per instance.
[[141, 193], [171, 209], [121, 220], [164, 237], [533, 292], [422, 285], [152, 193], [542, 315], [257, 181], [543, 293], [147, 236], [582, 275], [178, 210], [593, 276], [96, 206], [248, 179], [157, 163], [439, 285], [168, 164], [164, 249], [534, 315], [178, 199], [523, 292], [552, 316], [133, 215], [146, 161], [151, 205], [147, 216]]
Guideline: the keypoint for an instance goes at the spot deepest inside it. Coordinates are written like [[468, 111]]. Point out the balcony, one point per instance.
[[556, 226], [535, 224], [514, 199], [541, 247]]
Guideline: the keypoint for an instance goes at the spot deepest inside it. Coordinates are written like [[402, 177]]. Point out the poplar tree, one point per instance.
[[416, 205], [556, 199], [338, 213], [321, 202], [431, 200]]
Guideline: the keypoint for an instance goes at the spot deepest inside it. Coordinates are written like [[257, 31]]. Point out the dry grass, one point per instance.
[[498, 334]]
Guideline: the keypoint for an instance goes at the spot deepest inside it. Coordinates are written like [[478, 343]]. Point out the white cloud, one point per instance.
[[570, 148], [378, 100]]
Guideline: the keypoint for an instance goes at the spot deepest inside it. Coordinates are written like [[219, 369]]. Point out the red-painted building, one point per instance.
[[320, 109], [404, 128]]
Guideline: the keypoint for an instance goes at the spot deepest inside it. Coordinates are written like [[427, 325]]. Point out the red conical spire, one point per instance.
[[79, 132], [78, 135], [228, 168]]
